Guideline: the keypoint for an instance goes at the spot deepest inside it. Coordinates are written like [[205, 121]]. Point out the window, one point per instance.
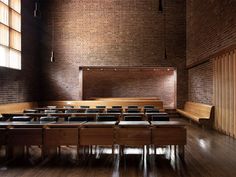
[[10, 33]]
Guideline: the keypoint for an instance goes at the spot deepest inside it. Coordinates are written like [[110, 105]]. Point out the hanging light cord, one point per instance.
[[164, 19], [53, 38]]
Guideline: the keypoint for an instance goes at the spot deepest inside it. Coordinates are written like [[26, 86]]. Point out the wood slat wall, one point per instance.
[[224, 92]]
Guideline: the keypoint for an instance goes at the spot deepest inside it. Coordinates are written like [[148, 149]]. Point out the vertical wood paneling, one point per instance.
[[231, 94], [234, 73], [224, 88]]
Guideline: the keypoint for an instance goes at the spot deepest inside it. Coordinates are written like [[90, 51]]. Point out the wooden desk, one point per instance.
[[169, 133], [31, 124], [64, 124], [98, 133], [10, 124], [133, 133], [23, 137], [2, 136], [64, 115], [61, 133]]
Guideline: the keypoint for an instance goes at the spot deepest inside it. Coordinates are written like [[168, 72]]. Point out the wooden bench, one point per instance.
[[17, 107], [124, 98], [198, 112]]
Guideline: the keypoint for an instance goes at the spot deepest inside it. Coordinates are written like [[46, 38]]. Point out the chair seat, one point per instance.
[[21, 118], [106, 118], [49, 118], [133, 118]]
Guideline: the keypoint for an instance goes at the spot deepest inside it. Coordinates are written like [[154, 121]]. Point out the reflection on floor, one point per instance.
[[208, 154]]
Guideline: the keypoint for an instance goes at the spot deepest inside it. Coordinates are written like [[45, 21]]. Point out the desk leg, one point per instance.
[[181, 151], [143, 153], [148, 151], [113, 149]]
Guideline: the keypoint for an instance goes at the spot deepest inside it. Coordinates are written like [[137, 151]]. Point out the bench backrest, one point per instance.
[[199, 109], [17, 107]]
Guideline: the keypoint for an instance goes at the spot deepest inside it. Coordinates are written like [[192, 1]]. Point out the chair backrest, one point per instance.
[[133, 118], [116, 107], [152, 110], [114, 110], [106, 118], [92, 110], [160, 117], [101, 107], [132, 106], [21, 118], [68, 107], [50, 111], [3, 118], [71, 111], [77, 118], [30, 111], [49, 118], [85, 107], [133, 110], [51, 107]]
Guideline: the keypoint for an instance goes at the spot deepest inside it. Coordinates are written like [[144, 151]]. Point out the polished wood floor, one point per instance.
[[208, 154]]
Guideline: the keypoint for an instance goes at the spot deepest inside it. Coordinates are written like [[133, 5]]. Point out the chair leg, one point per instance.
[[59, 151], [27, 151]]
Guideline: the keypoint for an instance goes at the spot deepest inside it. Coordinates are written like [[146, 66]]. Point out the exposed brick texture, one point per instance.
[[22, 85], [109, 33], [131, 83], [211, 27], [201, 83]]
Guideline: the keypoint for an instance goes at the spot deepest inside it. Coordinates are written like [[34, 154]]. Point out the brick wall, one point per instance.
[[201, 83], [159, 83], [211, 27], [109, 33], [22, 85]]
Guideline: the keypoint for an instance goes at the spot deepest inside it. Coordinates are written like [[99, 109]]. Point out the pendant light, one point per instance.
[[164, 26], [52, 59], [160, 6], [37, 12]]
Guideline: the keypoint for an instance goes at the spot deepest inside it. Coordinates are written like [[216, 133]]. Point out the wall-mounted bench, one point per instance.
[[198, 112]]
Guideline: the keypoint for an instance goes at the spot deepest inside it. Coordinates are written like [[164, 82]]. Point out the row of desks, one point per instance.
[[118, 115], [124, 133], [42, 124]]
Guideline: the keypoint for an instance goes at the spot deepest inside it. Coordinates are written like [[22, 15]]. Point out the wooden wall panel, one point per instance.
[[224, 89]]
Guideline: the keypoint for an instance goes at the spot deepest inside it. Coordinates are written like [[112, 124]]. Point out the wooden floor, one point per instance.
[[208, 154]]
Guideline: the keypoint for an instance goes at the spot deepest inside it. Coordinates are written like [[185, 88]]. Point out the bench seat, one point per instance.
[[198, 112]]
